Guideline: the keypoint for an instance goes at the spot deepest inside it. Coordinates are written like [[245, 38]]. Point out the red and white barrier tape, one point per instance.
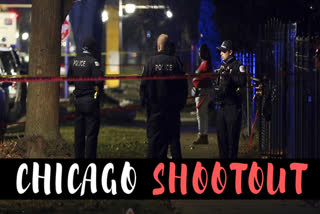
[[109, 77]]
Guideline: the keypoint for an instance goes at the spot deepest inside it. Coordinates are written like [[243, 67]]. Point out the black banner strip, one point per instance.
[[150, 179]]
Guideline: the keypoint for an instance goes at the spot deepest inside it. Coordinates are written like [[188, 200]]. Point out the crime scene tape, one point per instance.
[[104, 111], [62, 78], [17, 75], [109, 77], [63, 75]]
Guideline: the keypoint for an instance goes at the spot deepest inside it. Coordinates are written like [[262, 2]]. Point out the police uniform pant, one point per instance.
[[228, 130], [87, 124], [163, 129]]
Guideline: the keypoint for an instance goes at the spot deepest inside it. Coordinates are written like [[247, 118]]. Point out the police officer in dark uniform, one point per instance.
[[163, 99], [87, 93], [230, 83]]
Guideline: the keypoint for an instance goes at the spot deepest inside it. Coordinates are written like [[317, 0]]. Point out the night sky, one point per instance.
[[237, 20]]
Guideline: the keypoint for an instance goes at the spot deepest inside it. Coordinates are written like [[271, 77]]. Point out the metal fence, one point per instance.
[[286, 57], [248, 110]]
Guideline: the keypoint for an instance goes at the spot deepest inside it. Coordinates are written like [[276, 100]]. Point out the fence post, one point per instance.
[[248, 101], [292, 29]]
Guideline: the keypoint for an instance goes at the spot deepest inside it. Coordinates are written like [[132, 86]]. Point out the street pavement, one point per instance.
[[233, 206]]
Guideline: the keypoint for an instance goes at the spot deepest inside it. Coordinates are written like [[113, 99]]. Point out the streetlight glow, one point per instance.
[[105, 16], [25, 36], [130, 8], [169, 14]]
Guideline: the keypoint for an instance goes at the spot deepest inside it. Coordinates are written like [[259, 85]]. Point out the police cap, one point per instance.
[[225, 46]]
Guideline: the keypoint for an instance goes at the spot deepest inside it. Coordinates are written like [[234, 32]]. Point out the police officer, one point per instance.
[[87, 121], [230, 81], [163, 99]]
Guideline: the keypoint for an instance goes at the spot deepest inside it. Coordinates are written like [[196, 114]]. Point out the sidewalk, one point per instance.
[[232, 206], [242, 206]]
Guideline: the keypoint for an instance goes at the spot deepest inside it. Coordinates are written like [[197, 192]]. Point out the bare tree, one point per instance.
[[45, 52]]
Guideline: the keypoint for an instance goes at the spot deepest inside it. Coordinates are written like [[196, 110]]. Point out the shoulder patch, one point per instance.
[[97, 63], [242, 69]]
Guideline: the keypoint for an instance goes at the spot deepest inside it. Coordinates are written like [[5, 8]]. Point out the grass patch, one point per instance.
[[124, 142], [115, 141]]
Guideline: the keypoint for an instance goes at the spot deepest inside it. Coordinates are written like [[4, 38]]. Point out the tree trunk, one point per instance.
[[45, 51]]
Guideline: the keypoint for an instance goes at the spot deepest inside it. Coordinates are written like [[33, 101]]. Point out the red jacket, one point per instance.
[[202, 82]]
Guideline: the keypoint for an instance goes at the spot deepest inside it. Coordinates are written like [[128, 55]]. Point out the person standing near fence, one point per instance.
[[163, 100], [231, 79], [202, 90], [87, 94]]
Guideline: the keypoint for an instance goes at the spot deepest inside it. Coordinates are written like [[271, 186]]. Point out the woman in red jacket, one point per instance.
[[202, 87]]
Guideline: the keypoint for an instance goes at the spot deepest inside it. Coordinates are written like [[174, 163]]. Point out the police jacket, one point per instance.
[[230, 82], [85, 65], [163, 94]]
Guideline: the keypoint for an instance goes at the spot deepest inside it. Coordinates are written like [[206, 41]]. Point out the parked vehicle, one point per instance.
[[8, 28], [12, 95]]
